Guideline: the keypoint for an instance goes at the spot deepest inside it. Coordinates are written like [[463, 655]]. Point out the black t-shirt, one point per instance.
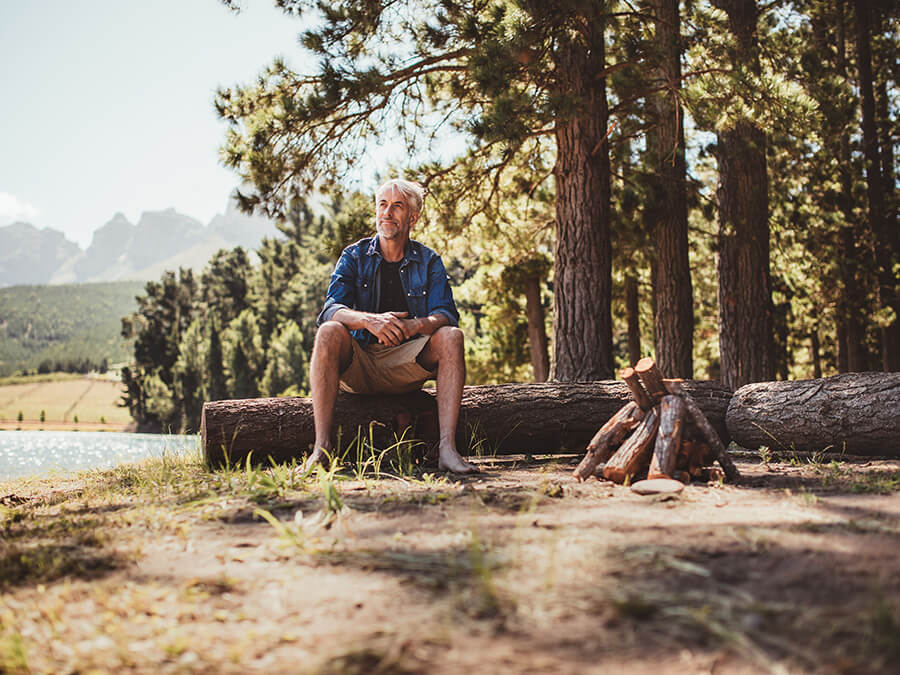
[[393, 299]]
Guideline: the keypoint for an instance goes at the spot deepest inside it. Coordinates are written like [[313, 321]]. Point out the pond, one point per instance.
[[30, 453]]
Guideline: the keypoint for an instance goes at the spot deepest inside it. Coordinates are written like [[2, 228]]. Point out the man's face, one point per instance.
[[393, 216]]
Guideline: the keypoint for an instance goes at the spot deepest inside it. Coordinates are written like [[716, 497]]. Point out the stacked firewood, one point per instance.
[[662, 432]]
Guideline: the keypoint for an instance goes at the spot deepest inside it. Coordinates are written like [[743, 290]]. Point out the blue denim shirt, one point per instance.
[[355, 283]]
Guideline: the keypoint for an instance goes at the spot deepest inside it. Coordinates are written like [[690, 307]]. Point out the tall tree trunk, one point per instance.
[[886, 244], [852, 351], [745, 295], [841, 339], [632, 310], [674, 309], [814, 353], [537, 334], [582, 286]]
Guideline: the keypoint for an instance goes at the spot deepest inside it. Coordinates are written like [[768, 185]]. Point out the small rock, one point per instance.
[[658, 486]]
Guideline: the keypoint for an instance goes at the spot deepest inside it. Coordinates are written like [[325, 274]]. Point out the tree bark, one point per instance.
[[582, 285], [886, 236], [708, 432], [506, 418], [855, 413], [633, 457], [852, 352], [668, 437], [640, 395], [632, 309], [537, 333], [674, 308], [814, 353], [608, 438], [745, 288]]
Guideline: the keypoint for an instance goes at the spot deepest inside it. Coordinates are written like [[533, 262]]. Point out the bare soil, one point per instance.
[[518, 570]]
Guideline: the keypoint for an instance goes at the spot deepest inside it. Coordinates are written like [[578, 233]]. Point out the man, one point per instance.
[[389, 324]]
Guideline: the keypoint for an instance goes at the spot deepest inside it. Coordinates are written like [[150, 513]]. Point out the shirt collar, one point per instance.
[[410, 253]]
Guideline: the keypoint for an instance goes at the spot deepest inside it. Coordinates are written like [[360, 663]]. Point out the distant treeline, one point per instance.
[[68, 328], [241, 329]]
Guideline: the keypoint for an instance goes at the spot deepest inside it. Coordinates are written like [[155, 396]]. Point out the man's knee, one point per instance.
[[332, 335], [449, 338]]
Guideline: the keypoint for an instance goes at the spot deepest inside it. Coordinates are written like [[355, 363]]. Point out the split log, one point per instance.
[[608, 438], [637, 390], [668, 438], [506, 419], [634, 455], [710, 435], [651, 378], [857, 413]]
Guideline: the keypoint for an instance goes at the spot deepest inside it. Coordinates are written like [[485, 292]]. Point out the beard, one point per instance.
[[390, 230]]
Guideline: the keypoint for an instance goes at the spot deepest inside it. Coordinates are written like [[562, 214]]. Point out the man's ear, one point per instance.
[[413, 219]]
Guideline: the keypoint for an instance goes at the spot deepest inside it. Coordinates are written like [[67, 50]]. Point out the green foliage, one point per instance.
[[71, 327], [286, 368], [244, 355]]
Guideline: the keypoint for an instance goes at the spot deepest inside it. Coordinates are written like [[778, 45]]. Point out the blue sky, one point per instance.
[[107, 105]]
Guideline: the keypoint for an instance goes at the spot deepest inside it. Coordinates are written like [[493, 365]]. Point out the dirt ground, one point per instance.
[[518, 570]]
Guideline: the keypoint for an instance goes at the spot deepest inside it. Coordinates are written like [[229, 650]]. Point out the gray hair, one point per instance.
[[414, 192]]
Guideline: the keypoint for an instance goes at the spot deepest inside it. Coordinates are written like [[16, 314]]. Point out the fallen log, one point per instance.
[[857, 413], [503, 419]]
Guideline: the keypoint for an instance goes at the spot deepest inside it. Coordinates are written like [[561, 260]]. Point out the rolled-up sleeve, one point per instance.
[[341, 289], [440, 296]]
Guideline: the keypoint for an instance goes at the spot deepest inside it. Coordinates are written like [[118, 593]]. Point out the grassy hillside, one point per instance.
[[73, 322]]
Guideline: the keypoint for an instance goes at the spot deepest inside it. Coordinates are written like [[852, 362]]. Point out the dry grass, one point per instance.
[[61, 400]]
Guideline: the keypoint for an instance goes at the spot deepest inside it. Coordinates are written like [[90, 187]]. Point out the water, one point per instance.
[[29, 453]]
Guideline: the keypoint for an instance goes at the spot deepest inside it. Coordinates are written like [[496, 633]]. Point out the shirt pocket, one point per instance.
[[364, 295], [417, 298]]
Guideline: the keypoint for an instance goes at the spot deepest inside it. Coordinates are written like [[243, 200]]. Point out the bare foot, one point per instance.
[[319, 456], [450, 460]]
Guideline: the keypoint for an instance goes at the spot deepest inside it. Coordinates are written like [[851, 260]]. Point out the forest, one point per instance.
[[710, 183], [70, 327]]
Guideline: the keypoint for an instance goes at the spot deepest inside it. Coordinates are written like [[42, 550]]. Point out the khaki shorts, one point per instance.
[[383, 369]]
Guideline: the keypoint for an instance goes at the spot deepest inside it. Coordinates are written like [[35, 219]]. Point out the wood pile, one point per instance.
[[662, 432]]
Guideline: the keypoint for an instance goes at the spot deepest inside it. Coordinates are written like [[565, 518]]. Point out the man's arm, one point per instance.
[[390, 328]]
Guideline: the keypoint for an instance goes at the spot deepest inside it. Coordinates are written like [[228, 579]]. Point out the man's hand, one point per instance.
[[392, 328]]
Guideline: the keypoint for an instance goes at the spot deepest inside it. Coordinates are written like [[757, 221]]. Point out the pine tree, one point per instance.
[[887, 253], [286, 368], [504, 76], [667, 198], [243, 355]]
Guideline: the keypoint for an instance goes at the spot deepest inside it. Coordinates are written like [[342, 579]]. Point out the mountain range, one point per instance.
[[120, 250]]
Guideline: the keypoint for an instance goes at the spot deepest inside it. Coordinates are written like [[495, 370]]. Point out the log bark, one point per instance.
[[709, 434], [634, 455], [857, 413], [651, 378], [608, 438], [506, 418], [637, 390], [668, 438]]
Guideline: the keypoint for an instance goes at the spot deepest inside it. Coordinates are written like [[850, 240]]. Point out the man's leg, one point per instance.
[[332, 353], [445, 350]]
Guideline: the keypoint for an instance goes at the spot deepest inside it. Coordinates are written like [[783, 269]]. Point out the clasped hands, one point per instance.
[[392, 328]]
